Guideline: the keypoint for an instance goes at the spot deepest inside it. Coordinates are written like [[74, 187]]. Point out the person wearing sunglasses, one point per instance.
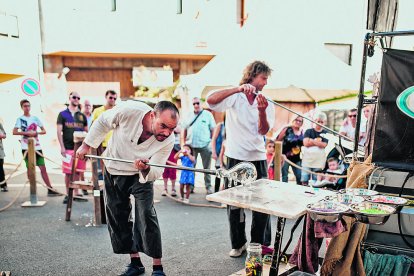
[[70, 120], [249, 117], [349, 123], [197, 130], [110, 101]]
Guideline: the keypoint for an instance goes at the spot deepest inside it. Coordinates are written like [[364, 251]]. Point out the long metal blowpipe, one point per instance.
[[213, 172], [306, 118], [243, 172]]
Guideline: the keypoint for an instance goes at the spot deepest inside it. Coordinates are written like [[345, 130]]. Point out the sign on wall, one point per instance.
[[30, 87]]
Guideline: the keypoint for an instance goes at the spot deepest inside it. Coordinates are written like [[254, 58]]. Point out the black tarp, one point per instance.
[[394, 131]]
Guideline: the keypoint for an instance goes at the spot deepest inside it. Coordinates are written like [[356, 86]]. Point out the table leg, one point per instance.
[[274, 268]]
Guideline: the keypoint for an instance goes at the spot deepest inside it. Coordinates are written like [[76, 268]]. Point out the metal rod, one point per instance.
[[397, 33], [153, 165], [306, 118], [361, 94]]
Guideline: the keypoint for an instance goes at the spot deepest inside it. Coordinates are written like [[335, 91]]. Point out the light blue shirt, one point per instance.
[[199, 134]]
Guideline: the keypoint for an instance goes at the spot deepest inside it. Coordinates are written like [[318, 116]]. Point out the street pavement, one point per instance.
[[38, 240]]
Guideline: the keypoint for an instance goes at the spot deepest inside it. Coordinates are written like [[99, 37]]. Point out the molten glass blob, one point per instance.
[[244, 173]]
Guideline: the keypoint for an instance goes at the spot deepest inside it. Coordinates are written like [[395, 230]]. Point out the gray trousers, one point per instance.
[[142, 235], [206, 159]]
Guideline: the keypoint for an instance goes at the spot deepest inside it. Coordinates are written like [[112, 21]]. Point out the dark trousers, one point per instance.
[[205, 154], [296, 171], [2, 175], [142, 235], [237, 217]]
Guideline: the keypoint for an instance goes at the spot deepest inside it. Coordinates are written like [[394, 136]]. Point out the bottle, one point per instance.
[[254, 263]]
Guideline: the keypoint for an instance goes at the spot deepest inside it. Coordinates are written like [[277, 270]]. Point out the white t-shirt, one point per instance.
[[244, 142], [26, 124], [349, 131]]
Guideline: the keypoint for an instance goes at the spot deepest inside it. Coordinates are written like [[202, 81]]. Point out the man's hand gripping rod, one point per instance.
[[306, 118]]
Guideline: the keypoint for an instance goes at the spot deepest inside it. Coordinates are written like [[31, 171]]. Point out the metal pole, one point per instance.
[[361, 95], [306, 118], [154, 165]]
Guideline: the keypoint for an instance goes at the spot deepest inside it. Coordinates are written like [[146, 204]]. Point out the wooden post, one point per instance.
[[277, 161], [31, 169], [96, 189]]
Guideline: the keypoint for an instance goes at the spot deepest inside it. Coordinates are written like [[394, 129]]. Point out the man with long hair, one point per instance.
[[248, 118]]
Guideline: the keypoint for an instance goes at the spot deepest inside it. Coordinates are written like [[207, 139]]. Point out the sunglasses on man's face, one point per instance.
[[196, 103], [75, 97], [352, 116], [112, 98]]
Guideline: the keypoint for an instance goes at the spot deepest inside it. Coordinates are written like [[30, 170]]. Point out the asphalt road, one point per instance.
[[38, 241]]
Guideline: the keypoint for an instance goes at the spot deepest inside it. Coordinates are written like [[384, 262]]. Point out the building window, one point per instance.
[[9, 26], [341, 51]]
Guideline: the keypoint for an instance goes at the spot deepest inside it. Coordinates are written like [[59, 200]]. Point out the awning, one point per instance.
[[6, 77]]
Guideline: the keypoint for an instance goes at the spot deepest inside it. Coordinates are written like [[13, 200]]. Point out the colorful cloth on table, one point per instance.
[[26, 124], [305, 255], [386, 265], [67, 163], [343, 256], [170, 173], [329, 229], [187, 177]]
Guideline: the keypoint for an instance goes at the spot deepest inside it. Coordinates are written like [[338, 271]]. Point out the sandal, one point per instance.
[[173, 193], [164, 193]]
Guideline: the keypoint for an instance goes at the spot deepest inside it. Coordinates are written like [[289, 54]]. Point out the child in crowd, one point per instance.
[[270, 155], [186, 155], [333, 167]]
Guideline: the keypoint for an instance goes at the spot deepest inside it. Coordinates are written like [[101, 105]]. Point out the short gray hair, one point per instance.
[[320, 115]]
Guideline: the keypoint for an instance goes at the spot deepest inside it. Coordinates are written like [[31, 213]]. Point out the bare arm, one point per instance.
[[261, 106], [281, 135], [42, 132], [60, 139], [220, 95], [216, 132], [309, 142], [223, 148], [16, 131]]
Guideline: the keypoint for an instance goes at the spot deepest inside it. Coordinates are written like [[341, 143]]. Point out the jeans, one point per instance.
[[307, 176], [206, 159], [237, 217], [142, 235], [296, 171]]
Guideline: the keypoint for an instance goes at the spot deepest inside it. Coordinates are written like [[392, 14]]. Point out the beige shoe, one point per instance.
[[186, 200], [235, 253], [164, 193]]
